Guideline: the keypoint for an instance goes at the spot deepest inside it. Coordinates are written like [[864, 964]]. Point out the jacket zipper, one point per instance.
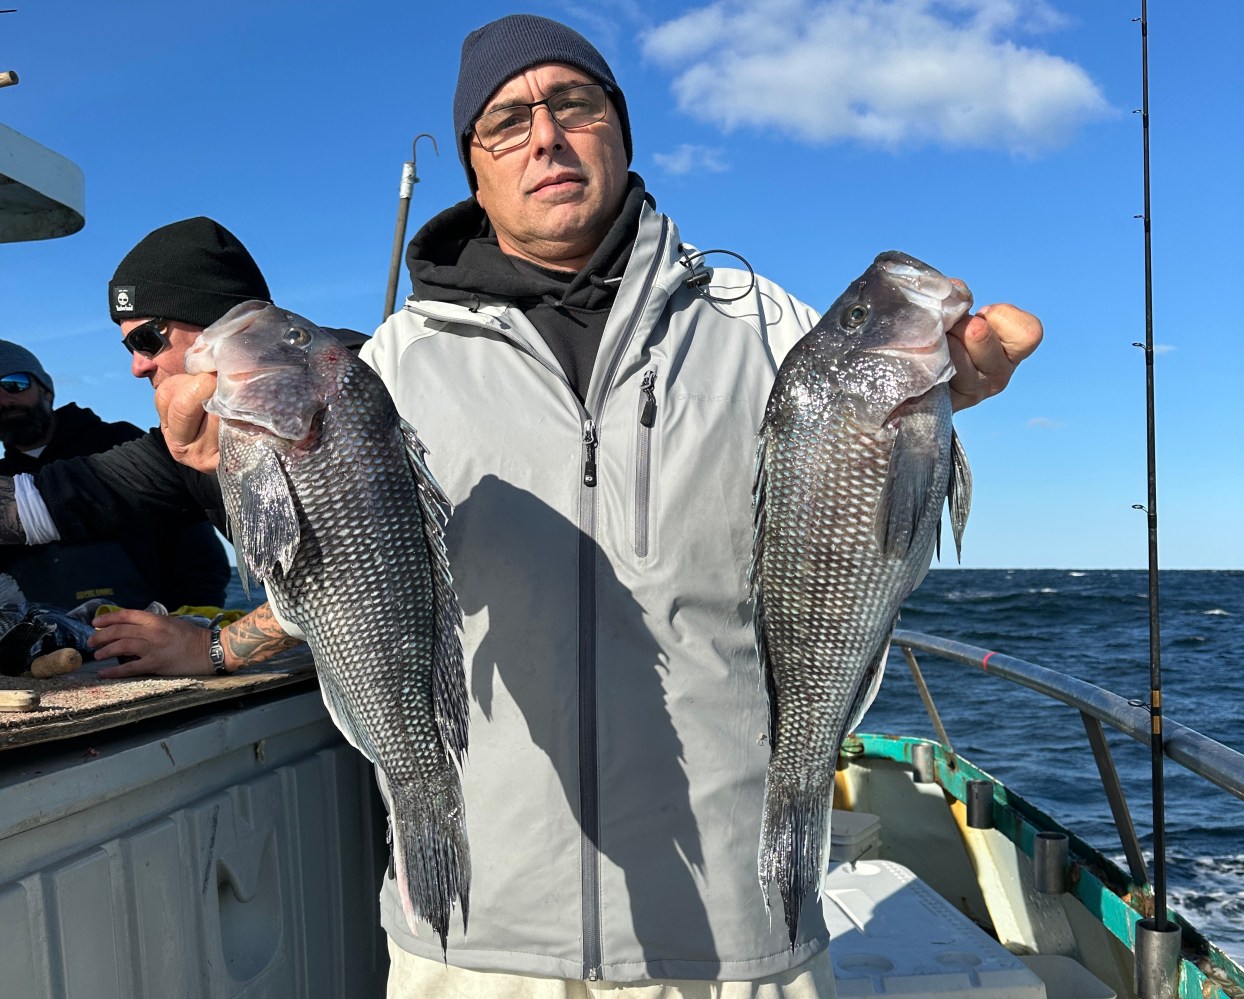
[[589, 452], [643, 459], [589, 791]]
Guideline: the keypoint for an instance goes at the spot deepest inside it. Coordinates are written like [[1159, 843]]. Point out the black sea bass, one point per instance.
[[332, 506], [855, 459]]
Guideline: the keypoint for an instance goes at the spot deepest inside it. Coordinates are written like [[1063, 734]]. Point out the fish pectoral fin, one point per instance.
[[959, 491], [268, 523], [905, 494]]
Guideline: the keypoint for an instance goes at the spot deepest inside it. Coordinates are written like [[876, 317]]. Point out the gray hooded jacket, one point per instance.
[[600, 549]]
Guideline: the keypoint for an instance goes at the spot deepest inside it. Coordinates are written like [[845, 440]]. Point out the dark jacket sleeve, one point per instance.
[[194, 569], [136, 486]]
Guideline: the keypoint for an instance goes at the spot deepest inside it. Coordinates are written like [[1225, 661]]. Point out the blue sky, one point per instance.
[[993, 138]]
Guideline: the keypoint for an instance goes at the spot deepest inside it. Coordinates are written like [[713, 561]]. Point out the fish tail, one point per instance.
[[793, 833], [431, 858]]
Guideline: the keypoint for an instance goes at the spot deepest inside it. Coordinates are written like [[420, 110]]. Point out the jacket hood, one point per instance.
[[455, 257]]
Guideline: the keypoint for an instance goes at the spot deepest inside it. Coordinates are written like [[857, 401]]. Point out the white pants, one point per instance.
[[413, 977]]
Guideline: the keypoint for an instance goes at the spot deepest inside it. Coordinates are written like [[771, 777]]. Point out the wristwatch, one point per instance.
[[216, 653]]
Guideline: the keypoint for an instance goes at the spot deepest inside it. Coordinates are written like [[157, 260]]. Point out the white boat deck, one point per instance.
[[892, 935]]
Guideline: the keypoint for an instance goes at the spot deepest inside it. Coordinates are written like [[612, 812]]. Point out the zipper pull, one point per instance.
[[589, 460], [648, 415]]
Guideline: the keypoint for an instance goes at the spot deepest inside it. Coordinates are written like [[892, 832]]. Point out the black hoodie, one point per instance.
[[141, 559], [455, 257]]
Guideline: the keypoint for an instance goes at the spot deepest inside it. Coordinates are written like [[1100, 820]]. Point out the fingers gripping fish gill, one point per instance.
[[333, 508], [856, 456]]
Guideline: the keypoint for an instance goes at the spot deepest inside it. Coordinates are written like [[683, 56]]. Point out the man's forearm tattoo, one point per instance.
[[256, 637], [11, 530]]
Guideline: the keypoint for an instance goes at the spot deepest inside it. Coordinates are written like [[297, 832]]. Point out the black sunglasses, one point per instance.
[[147, 338], [16, 383]]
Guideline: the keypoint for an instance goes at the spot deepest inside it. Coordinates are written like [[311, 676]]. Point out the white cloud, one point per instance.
[[688, 158], [1044, 423], [882, 72], [1163, 348]]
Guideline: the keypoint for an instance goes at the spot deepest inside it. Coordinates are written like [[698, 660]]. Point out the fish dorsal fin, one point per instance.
[[905, 495], [448, 678], [959, 492], [267, 520]]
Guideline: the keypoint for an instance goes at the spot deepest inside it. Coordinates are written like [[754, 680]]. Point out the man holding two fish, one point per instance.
[[590, 394]]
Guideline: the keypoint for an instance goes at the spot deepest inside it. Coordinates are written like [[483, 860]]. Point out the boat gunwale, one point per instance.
[[1194, 751]]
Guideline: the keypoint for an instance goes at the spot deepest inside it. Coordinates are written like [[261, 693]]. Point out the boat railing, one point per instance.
[[1197, 753]]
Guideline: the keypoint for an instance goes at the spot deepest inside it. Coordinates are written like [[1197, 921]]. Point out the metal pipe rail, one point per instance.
[[1206, 757]]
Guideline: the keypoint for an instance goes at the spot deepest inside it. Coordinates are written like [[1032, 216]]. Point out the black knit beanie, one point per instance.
[[192, 271], [497, 51]]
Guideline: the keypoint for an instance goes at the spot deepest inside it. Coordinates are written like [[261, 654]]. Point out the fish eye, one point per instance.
[[854, 317], [296, 336]]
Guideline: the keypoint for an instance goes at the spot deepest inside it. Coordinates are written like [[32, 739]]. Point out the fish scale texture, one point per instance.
[[369, 587], [826, 594]]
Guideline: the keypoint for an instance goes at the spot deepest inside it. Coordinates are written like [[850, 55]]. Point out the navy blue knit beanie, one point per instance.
[[497, 51], [192, 271]]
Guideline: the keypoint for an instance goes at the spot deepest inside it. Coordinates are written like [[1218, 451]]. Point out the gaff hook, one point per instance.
[[409, 179]]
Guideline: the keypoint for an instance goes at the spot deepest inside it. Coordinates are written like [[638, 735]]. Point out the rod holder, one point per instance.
[[980, 804], [922, 762], [1049, 863], [1157, 960]]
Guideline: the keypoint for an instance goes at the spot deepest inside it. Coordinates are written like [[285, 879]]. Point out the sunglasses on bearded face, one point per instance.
[[16, 383], [147, 339]]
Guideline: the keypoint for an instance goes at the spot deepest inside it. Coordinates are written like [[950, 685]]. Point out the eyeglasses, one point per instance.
[[575, 107], [148, 338], [16, 383]]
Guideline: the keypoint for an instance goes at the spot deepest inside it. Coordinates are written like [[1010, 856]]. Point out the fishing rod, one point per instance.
[[1157, 940], [409, 180]]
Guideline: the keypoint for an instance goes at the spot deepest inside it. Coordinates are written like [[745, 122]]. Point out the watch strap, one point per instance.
[[216, 653]]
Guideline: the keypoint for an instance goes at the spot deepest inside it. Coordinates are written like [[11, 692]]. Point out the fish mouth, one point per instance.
[[932, 346], [925, 287]]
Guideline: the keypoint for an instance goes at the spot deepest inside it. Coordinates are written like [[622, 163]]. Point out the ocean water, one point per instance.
[[1093, 625]]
